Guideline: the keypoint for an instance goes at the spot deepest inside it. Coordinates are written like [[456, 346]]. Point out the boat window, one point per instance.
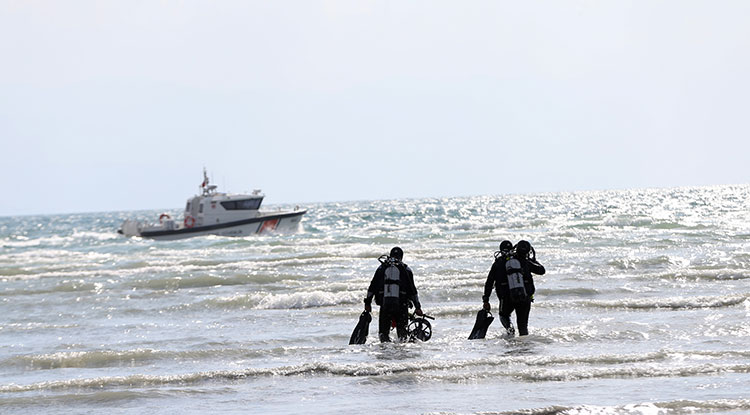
[[247, 204], [200, 208], [187, 207]]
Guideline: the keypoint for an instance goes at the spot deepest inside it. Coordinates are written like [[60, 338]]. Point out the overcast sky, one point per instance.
[[118, 105]]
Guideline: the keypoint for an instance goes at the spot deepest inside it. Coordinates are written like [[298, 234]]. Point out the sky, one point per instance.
[[119, 105]]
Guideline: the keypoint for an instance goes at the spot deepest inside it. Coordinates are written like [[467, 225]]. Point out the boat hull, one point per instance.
[[283, 222]]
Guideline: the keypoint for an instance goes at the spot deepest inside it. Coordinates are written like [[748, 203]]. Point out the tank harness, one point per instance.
[[392, 283], [516, 285]]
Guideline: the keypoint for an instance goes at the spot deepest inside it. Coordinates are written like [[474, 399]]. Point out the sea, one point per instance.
[[644, 309]]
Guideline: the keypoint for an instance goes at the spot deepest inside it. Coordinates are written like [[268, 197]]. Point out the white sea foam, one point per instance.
[[427, 371], [645, 408], [538, 368], [671, 302], [295, 300], [115, 358]]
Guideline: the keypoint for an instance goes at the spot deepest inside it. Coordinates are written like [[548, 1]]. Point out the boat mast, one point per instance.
[[206, 189]]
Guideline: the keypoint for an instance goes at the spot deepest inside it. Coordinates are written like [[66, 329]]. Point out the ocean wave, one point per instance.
[[719, 274], [15, 271], [637, 365], [89, 359], [97, 398], [640, 371], [58, 240], [566, 374], [575, 292], [301, 258], [35, 326], [201, 263], [421, 370], [673, 303], [630, 264], [441, 287], [199, 279], [133, 264], [584, 332], [62, 287], [174, 283], [53, 257], [66, 272], [690, 406], [23, 242], [690, 354], [296, 300], [645, 408], [98, 236], [134, 357]]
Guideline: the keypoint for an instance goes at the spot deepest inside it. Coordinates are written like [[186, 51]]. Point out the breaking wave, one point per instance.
[[134, 357], [296, 300], [97, 398], [420, 370], [677, 407], [673, 303], [539, 369]]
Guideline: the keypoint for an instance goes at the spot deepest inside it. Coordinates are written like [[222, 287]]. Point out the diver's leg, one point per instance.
[[506, 307], [522, 317], [384, 325], [402, 320]]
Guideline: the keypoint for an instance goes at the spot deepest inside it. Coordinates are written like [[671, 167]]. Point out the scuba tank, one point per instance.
[[391, 282], [519, 287], [516, 285]]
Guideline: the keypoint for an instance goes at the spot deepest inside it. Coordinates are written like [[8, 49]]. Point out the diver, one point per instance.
[[511, 276], [394, 291]]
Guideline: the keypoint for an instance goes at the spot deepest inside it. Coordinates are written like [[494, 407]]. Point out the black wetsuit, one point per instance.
[[396, 312], [498, 277]]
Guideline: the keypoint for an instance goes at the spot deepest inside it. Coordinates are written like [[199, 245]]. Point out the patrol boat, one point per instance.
[[215, 213]]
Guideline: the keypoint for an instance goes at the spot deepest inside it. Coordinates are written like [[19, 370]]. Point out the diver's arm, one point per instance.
[[535, 267], [413, 294], [417, 306], [372, 289], [488, 285]]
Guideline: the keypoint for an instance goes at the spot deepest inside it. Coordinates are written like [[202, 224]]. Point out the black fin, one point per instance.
[[359, 335], [484, 319]]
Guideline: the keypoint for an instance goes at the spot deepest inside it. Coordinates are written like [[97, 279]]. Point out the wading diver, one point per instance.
[[394, 291], [511, 276]]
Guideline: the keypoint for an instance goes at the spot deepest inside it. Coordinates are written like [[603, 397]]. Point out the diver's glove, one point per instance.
[[486, 306], [368, 304]]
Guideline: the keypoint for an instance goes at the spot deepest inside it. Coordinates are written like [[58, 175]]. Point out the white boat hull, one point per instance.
[[281, 222]]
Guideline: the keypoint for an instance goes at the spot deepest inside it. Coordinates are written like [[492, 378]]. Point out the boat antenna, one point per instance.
[[204, 185]]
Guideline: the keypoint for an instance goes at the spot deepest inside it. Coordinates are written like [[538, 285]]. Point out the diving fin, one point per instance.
[[484, 319], [359, 335]]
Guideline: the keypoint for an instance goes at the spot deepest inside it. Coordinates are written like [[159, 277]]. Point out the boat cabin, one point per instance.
[[212, 207]]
